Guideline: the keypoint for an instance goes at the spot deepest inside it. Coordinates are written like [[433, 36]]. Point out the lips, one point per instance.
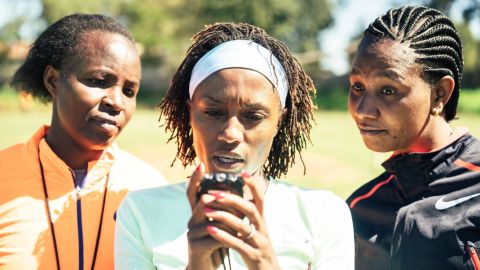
[[370, 130], [105, 124], [228, 162]]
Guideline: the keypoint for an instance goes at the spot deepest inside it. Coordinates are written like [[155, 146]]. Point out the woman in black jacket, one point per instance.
[[423, 212]]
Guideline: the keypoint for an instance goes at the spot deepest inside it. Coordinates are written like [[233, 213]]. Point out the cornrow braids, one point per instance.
[[294, 131], [433, 37], [56, 45]]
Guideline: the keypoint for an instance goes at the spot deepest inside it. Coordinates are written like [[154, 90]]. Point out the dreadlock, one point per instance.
[[433, 37], [57, 44], [294, 131]]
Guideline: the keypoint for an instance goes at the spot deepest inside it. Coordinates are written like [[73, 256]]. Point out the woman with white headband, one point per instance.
[[238, 104]]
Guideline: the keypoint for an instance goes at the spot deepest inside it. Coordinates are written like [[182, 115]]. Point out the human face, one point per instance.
[[234, 115], [388, 99], [95, 91]]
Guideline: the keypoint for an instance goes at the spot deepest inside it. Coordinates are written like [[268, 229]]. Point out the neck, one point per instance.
[[73, 154], [439, 135]]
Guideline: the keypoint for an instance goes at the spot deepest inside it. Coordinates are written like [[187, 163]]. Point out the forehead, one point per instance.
[[97, 47], [384, 55], [237, 84]]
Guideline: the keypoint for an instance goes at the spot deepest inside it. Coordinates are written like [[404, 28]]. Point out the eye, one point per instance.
[[254, 116], [357, 87], [129, 92], [388, 91], [213, 113], [98, 82]]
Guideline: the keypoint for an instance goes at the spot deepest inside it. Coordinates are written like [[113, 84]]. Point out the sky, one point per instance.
[[350, 18], [354, 16], [28, 9]]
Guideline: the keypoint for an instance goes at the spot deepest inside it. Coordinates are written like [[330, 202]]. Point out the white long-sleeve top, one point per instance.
[[309, 229]]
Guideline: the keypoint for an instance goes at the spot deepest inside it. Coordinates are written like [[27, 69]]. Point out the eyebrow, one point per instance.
[[390, 74], [212, 99], [354, 71], [256, 105]]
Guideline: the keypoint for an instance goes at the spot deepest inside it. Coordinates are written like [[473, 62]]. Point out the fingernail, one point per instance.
[[219, 195], [198, 167], [208, 210], [212, 229], [245, 175]]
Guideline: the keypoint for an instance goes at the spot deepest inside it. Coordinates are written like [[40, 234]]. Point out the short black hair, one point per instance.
[[433, 37], [294, 131], [58, 43]]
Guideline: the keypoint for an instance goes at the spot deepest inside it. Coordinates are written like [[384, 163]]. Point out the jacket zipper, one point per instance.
[[472, 251], [80, 228]]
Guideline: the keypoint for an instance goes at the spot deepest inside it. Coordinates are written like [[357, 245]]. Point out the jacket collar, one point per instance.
[[97, 169], [418, 170]]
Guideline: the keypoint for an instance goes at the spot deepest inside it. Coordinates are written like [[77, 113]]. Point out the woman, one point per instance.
[[423, 211], [60, 190], [240, 103]]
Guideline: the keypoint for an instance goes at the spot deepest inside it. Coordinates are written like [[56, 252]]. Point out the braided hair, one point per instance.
[[58, 44], [294, 131], [434, 39]]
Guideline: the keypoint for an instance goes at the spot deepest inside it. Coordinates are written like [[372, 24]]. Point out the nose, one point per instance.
[[232, 131], [365, 106], [114, 98]]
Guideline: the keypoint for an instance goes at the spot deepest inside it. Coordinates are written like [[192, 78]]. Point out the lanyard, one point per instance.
[[49, 215]]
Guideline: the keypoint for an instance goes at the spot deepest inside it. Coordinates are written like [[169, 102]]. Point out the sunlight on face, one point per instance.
[[388, 99], [96, 91], [234, 115]]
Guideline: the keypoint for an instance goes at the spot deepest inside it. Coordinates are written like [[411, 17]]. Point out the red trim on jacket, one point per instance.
[[370, 193], [468, 165], [474, 257]]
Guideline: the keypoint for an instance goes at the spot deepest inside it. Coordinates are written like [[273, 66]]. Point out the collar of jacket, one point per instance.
[[418, 170]]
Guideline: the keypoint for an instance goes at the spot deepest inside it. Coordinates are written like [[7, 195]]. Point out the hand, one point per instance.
[[252, 243], [201, 246]]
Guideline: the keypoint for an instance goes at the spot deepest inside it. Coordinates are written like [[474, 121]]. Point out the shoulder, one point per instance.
[[164, 207], [125, 158], [13, 151], [158, 194], [157, 201], [134, 169], [472, 148], [317, 217], [284, 192], [11, 159], [315, 207]]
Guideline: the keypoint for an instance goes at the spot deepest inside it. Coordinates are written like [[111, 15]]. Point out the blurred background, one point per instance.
[[323, 34]]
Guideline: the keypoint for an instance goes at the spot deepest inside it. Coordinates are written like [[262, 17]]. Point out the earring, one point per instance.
[[436, 111]]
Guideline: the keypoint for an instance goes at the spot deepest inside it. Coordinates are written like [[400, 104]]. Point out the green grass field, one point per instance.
[[337, 159]]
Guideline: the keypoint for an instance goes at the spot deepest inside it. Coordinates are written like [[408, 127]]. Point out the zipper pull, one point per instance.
[[78, 190], [472, 251]]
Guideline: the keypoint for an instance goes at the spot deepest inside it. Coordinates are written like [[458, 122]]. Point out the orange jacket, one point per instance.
[[25, 237]]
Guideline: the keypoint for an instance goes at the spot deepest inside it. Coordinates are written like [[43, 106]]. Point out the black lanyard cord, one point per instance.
[[101, 223], [50, 220], [52, 229]]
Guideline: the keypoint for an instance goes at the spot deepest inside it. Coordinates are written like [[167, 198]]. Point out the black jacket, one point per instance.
[[423, 212]]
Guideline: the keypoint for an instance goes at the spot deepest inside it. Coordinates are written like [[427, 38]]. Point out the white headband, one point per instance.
[[241, 54]]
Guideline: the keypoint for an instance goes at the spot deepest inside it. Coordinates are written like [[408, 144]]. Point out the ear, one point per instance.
[[442, 92], [50, 79]]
